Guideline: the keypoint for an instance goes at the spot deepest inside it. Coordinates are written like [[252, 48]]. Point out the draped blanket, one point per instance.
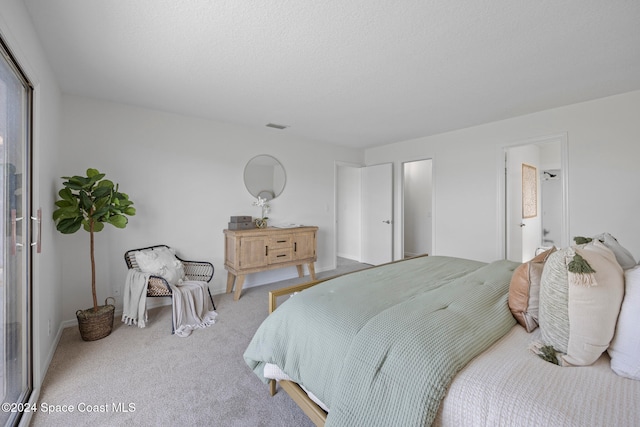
[[379, 347], [191, 307], [134, 310]]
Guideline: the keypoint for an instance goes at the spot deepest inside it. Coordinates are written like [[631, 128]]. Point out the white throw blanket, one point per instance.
[[134, 310], [192, 307]]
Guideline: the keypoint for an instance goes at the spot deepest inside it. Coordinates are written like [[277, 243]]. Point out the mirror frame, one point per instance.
[[265, 193]]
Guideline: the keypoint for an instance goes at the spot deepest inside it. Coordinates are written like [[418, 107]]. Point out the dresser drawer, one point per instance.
[[280, 242], [277, 256]]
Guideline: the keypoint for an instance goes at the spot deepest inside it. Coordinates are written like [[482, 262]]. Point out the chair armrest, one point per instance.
[[158, 287], [198, 270]]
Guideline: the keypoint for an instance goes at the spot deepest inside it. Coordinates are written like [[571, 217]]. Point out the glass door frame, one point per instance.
[[23, 248]]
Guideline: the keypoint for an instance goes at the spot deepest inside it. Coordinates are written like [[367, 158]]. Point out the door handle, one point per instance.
[[522, 224], [14, 237], [387, 222], [38, 220]]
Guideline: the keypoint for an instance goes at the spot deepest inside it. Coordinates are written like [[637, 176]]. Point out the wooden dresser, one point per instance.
[[261, 249]]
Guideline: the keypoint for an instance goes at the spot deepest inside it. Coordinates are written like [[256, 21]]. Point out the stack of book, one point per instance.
[[241, 223]]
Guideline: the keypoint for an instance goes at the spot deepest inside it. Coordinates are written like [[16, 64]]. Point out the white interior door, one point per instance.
[[377, 214], [523, 233]]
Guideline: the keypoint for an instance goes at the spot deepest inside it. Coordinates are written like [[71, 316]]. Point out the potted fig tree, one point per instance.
[[89, 202]]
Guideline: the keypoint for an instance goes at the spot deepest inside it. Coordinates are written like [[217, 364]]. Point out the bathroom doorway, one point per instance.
[[417, 196]]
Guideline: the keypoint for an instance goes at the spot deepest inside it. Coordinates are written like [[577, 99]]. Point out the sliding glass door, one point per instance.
[[15, 218]]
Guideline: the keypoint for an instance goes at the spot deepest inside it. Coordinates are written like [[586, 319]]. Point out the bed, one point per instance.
[[426, 341]]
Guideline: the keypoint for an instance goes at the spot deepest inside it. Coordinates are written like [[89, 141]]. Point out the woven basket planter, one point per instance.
[[95, 325]]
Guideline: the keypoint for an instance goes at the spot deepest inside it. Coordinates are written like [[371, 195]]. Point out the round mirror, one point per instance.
[[264, 177]]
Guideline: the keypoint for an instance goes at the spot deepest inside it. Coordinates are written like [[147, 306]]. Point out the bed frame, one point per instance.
[[315, 413]]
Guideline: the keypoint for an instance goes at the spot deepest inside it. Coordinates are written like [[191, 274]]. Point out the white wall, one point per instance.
[[603, 174], [18, 33], [185, 177]]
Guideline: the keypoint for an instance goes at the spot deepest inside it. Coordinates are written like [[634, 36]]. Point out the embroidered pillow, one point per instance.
[[524, 290], [580, 295], [161, 262], [625, 348]]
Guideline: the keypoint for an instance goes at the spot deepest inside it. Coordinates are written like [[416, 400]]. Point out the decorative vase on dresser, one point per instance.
[[261, 249]]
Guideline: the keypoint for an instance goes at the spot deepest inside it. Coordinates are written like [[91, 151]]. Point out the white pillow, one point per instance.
[[623, 256], [625, 347], [161, 262]]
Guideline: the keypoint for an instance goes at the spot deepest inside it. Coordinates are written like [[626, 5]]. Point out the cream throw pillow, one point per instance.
[[579, 320], [161, 262]]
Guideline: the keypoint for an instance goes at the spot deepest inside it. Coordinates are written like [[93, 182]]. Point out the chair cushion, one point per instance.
[[161, 262]]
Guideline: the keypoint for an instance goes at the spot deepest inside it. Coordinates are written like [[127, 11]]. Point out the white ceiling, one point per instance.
[[358, 73]]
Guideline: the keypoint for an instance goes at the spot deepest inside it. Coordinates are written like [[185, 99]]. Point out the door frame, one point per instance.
[[502, 187], [27, 248]]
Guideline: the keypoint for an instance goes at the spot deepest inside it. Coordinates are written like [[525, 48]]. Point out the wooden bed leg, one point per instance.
[[272, 387]]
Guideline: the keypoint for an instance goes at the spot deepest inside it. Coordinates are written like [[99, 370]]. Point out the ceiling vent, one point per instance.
[[276, 126]]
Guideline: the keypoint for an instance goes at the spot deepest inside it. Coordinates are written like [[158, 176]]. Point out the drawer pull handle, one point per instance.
[[282, 241], [280, 256], [266, 251]]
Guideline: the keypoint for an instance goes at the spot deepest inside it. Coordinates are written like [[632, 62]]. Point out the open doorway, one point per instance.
[[535, 197], [417, 199], [348, 213]]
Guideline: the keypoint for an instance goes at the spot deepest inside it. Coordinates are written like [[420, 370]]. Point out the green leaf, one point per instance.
[[101, 191], [86, 201], [91, 172], [130, 211], [79, 182], [91, 183], [99, 213], [119, 221], [64, 203], [67, 212], [106, 183], [97, 226], [66, 194], [69, 225]]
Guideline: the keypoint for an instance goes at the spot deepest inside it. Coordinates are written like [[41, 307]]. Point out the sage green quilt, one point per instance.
[[380, 347]]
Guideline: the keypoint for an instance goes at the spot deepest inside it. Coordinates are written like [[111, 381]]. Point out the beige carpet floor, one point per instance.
[[148, 377]]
